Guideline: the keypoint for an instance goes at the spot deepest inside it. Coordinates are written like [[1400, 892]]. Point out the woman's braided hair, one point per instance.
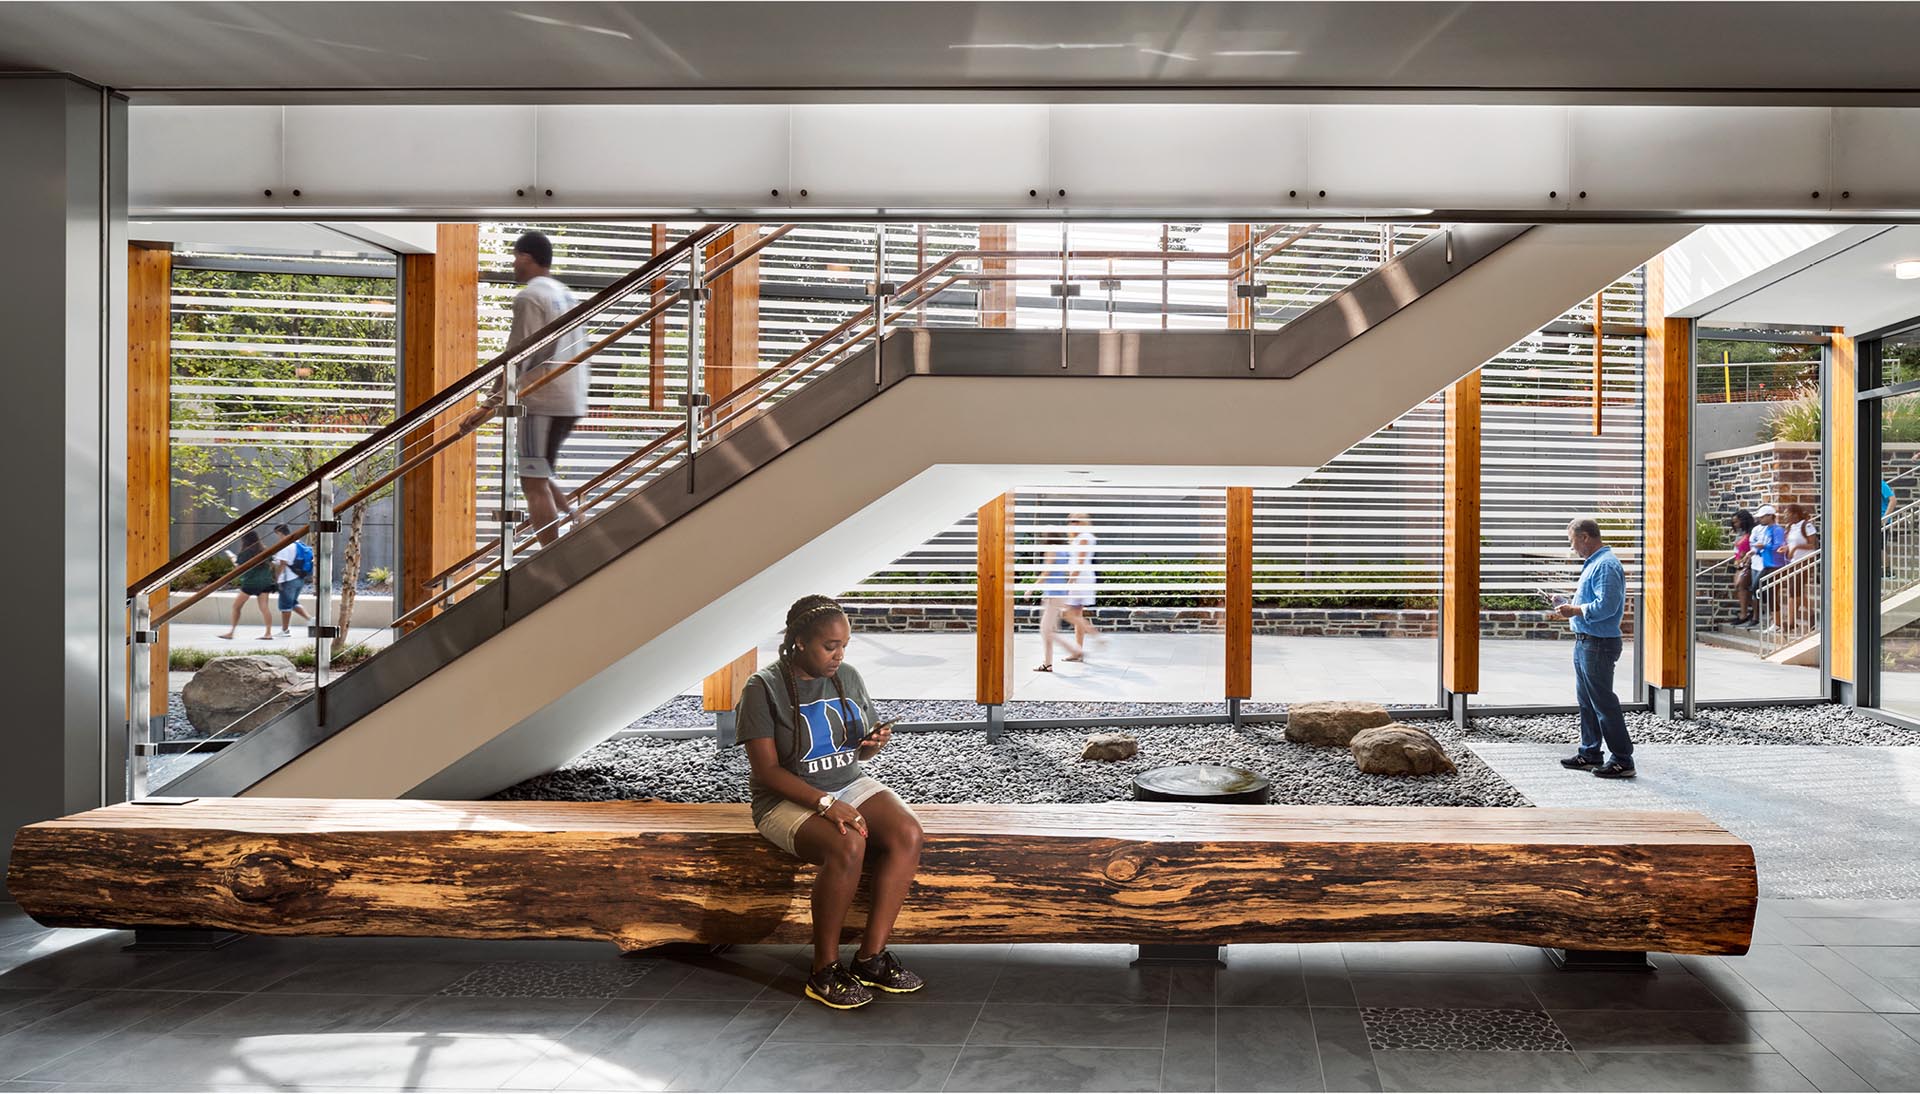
[[803, 619]]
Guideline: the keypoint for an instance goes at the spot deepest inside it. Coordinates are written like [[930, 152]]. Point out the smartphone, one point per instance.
[[875, 731]]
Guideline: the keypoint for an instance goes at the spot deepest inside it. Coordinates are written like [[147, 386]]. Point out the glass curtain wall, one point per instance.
[[1561, 437], [1758, 443], [1892, 365]]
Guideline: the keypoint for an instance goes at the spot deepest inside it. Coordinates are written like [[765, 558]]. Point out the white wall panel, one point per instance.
[[1877, 158], [1511, 157], [410, 156], [667, 155], [1687, 157], [934, 156], [1200, 157], [226, 156]]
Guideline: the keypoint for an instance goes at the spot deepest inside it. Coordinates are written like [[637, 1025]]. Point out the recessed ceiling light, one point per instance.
[[1908, 270]]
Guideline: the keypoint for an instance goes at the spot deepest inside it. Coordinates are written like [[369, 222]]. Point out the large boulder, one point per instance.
[[1333, 723], [1109, 746], [237, 694], [1399, 750]]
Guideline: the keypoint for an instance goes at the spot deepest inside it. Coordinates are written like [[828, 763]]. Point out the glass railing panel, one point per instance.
[[237, 647]]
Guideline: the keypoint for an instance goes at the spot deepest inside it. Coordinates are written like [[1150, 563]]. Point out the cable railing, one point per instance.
[[487, 409]]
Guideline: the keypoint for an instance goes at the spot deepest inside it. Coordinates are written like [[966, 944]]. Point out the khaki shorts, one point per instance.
[[782, 823]]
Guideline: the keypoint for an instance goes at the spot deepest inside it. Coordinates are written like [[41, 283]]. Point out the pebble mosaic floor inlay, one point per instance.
[[551, 979], [1453, 1029]]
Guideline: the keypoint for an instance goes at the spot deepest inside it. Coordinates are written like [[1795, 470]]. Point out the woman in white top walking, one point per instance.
[[1082, 579]]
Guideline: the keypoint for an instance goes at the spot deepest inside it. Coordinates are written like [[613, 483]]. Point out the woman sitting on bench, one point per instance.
[[807, 722]]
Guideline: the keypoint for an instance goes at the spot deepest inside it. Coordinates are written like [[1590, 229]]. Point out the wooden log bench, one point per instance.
[[640, 874]]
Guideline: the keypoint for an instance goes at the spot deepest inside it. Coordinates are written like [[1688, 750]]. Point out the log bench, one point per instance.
[[640, 874]]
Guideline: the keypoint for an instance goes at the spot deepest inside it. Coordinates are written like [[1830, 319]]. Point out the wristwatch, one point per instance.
[[825, 803]]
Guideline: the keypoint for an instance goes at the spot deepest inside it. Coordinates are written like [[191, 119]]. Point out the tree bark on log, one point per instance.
[[640, 874]]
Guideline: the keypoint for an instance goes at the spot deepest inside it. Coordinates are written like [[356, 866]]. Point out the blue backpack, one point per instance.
[[302, 560]]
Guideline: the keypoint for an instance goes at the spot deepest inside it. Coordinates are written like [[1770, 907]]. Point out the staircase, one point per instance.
[[816, 472]]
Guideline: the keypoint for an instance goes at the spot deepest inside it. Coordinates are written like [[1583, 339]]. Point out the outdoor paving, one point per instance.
[[1829, 999]]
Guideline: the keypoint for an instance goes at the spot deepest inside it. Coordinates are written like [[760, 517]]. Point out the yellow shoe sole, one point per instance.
[[822, 1000], [888, 990]]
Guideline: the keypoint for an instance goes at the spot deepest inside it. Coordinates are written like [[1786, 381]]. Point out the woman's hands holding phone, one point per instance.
[[873, 742]]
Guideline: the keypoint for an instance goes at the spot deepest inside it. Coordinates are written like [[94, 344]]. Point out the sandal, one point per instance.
[[1048, 667], [1075, 657]]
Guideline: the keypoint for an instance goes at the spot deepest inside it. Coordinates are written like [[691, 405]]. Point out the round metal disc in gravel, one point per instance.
[[1209, 783]]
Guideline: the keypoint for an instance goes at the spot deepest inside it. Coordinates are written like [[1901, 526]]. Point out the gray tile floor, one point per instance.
[[1829, 999]]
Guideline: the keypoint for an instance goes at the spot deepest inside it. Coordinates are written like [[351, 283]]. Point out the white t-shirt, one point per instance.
[[538, 303], [1800, 536], [284, 556]]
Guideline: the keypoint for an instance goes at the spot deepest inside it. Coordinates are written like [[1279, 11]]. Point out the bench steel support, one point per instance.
[[1158, 954], [1599, 960], [164, 939]]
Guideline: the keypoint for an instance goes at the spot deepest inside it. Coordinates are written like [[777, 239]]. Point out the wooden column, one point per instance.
[[1841, 522], [1239, 308], [440, 344], [721, 691], [1460, 540], [149, 424], [1239, 592], [993, 671], [732, 317], [1668, 599], [657, 334], [996, 297]]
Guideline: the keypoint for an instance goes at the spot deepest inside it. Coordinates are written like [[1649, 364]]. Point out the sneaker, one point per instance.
[[1577, 762], [1614, 770], [286, 634], [883, 971], [836, 987]]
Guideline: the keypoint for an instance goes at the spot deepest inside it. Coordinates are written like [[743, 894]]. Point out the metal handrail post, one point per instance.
[[881, 290], [696, 395], [140, 743], [510, 410], [326, 529]]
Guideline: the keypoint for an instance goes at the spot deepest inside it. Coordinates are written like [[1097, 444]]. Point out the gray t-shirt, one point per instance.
[[826, 751], [538, 303]]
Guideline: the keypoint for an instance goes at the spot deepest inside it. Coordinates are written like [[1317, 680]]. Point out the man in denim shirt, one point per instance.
[[1595, 614]]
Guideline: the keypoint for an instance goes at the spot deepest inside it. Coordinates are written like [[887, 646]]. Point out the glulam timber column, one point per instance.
[[996, 304], [1239, 608], [1667, 578], [732, 359], [1841, 522], [994, 577], [732, 316], [720, 693], [1460, 548], [439, 344], [1239, 273], [149, 423]]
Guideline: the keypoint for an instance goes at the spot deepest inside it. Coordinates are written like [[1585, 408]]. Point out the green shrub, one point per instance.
[[1796, 419], [179, 660], [379, 576], [1708, 533], [204, 573]]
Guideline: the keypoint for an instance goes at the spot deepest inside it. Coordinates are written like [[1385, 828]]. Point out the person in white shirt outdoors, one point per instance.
[[1082, 579], [554, 409], [807, 723], [1052, 590], [292, 566], [1769, 554], [1803, 539], [1598, 605]]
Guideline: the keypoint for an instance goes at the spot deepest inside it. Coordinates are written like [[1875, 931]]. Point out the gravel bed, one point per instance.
[[1026, 766], [1827, 724]]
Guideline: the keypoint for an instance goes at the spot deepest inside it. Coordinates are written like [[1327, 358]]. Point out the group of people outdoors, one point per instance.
[[279, 578], [1766, 540], [1067, 587]]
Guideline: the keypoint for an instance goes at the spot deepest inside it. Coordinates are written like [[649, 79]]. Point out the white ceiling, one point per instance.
[[1466, 52], [1853, 288]]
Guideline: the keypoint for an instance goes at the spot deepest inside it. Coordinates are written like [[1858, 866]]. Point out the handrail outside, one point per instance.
[[432, 408]]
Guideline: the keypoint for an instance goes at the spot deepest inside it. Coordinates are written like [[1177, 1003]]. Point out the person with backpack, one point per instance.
[[292, 566]]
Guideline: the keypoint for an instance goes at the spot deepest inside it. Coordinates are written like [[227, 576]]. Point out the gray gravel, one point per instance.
[[1025, 766], [1827, 724]]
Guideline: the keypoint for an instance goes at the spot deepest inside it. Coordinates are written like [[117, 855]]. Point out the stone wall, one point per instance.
[[1781, 473], [1278, 622]]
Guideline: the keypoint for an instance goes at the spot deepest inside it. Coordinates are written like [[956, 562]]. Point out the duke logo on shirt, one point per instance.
[[833, 729]]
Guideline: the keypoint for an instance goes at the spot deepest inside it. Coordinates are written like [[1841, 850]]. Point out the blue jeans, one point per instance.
[[1600, 717]]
